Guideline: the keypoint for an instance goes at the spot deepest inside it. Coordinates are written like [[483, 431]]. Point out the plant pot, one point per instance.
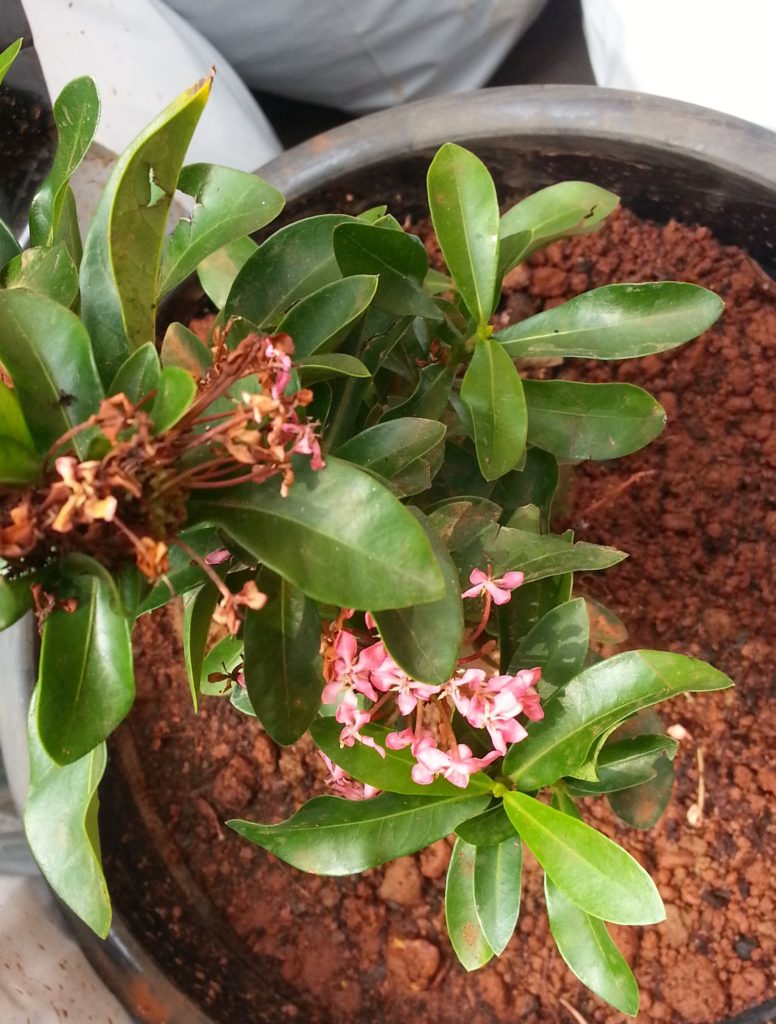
[[666, 160]]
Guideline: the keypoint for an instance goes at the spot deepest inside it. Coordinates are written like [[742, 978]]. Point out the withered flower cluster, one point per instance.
[[127, 501]]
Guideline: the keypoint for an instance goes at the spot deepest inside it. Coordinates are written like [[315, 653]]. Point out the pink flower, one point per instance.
[[500, 589], [521, 686], [455, 765], [343, 785], [406, 738], [283, 368], [306, 442], [388, 677], [218, 557], [498, 714], [349, 672], [353, 721], [473, 681]]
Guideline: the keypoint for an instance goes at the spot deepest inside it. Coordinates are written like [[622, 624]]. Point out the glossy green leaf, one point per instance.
[[175, 392], [60, 820], [591, 421], [596, 874], [391, 773], [12, 422], [229, 204], [594, 702], [181, 347], [120, 266], [9, 247], [323, 367], [460, 522], [425, 639], [618, 321], [557, 644], [498, 871], [283, 669], [642, 806], [535, 483], [292, 264], [138, 375], [429, 399], [464, 210], [463, 924], [624, 764], [218, 271], [399, 261], [320, 321], [8, 56], [493, 393], [198, 608], [15, 600], [47, 270], [389, 448], [589, 951], [76, 114], [488, 829], [47, 352], [339, 535], [18, 465], [562, 210], [332, 836], [86, 683]]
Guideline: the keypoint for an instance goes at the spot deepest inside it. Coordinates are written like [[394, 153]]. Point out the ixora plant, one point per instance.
[[352, 481]]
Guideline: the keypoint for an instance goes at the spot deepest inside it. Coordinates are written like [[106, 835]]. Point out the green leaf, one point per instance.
[[12, 422], [390, 448], [47, 270], [198, 608], [464, 210], [120, 266], [557, 644], [562, 210], [47, 352], [425, 640], [9, 247], [15, 600], [339, 535], [138, 375], [399, 261], [176, 390], [181, 347], [429, 399], [60, 820], [283, 669], [313, 369], [624, 764], [529, 604], [596, 874], [229, 204], [218, 271], [488, 829], [591, 421], [223, 657], [76, 114], [642, 806], [586, 946], [618, 321], [18, 465], [86, 681], [463, 924], [8, 56], [332, 836], [320, 321], [534, 484], [596, 700], [498, 873], [493, 393], [392, 772], [292, 264]]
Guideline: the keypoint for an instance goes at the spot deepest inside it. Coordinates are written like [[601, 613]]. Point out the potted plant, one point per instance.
[[237, 475]]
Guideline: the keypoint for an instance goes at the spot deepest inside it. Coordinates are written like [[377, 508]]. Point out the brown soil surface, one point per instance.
[[700, 579]]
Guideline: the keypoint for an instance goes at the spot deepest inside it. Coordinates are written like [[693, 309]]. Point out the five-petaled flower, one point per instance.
[[500, 590]]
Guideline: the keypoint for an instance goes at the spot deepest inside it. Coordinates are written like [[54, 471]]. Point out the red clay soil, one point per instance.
[[700, 580]]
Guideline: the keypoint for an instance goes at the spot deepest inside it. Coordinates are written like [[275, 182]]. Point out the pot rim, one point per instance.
[[545, 113], [533, 112]]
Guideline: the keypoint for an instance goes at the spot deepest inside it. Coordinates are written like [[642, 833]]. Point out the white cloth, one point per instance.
[[142, 55], [709, 52], [361, 55]]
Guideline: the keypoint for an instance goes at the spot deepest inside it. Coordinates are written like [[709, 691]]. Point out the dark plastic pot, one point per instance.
[[666, 160]]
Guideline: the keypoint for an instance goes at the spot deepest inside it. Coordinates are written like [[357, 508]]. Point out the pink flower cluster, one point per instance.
[[365, 680]]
